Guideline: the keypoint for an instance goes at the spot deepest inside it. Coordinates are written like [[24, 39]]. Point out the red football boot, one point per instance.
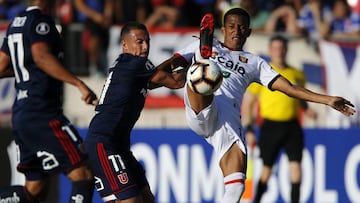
[[206, 35]]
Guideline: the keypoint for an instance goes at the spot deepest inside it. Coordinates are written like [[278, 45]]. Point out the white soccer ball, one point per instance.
[[204, 77]]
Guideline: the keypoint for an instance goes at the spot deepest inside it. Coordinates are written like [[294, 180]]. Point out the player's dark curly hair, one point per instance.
[[237, 11], [130, 26]]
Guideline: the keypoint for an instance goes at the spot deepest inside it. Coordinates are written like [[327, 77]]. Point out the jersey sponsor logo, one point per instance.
[[226, 74], [12, 199], [42, 28], [243, 59], [230, 64], [18, 22]]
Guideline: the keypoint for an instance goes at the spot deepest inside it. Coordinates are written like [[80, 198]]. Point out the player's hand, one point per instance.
[[179, 74], [343, 105], [87, 95], [250, 139]]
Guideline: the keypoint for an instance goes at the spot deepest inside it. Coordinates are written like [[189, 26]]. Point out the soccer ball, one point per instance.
[[204, 77]]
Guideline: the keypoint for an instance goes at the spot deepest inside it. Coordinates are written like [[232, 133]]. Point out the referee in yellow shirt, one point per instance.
[[280, 128]]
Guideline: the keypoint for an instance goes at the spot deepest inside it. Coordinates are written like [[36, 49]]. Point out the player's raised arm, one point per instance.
[[337, 103], [175, 68]]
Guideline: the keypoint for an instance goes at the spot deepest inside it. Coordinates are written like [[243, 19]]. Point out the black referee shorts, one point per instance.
[[275, 136]]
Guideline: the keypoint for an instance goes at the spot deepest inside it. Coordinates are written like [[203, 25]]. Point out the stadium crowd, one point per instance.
[[312, 19], [296, 17]]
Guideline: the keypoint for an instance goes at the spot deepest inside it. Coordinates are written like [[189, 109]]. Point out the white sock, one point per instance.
[[234, 187]]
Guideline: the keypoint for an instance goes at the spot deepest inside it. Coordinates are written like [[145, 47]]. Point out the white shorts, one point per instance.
[[216, 125]]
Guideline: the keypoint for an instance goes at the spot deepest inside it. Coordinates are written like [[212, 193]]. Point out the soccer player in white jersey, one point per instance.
[[216, 117]]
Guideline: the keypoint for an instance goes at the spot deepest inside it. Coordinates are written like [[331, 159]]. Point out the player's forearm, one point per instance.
[[307, 95], [50, 65]]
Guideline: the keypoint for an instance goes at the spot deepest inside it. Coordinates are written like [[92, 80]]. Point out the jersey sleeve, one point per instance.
[[189, 51], [143, 67], [42, 29], [267, 74]]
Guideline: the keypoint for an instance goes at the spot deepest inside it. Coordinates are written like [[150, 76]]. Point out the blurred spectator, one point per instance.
[[205, 6], [10, 8], [97, 16], [283, 19], [65, 11], [344, 22], [135, 10], [165, 13], [3, 10], [313, 20], [222, 5], [196, 9], [258, 17]]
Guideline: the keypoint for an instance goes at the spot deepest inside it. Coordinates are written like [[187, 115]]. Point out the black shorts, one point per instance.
[[275, 136], [118, 175], [47, 146]]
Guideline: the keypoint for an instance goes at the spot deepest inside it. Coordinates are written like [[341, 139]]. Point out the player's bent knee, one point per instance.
[[81, 173], [234, 187]]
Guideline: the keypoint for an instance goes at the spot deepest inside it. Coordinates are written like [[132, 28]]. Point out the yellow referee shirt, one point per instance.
[[275, 105]]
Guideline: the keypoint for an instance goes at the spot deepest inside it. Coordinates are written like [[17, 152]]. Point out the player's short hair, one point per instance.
[[281, 38], [237, 11], [130, 26]]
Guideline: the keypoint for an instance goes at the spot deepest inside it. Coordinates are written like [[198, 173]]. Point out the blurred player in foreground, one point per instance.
[[119, 177], [216, 117], [48, 143], [280, 127]]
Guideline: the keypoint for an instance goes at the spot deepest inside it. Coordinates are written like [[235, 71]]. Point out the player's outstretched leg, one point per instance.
[[199, 102], [206, 35]]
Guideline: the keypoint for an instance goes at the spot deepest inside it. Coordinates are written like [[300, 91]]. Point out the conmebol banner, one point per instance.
[[181, 168]]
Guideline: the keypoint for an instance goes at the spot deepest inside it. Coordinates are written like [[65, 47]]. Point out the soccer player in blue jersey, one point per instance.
[[48, 143], [119, 177]]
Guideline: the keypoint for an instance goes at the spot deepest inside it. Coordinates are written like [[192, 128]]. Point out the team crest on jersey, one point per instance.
[[123, 178], [243, 59], [42, 28]]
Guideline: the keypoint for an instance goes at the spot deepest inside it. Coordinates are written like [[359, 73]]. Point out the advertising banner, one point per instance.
[[181, 168]]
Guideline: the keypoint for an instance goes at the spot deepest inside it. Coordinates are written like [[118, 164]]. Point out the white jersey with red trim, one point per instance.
[[220, 123], [239, 69]]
